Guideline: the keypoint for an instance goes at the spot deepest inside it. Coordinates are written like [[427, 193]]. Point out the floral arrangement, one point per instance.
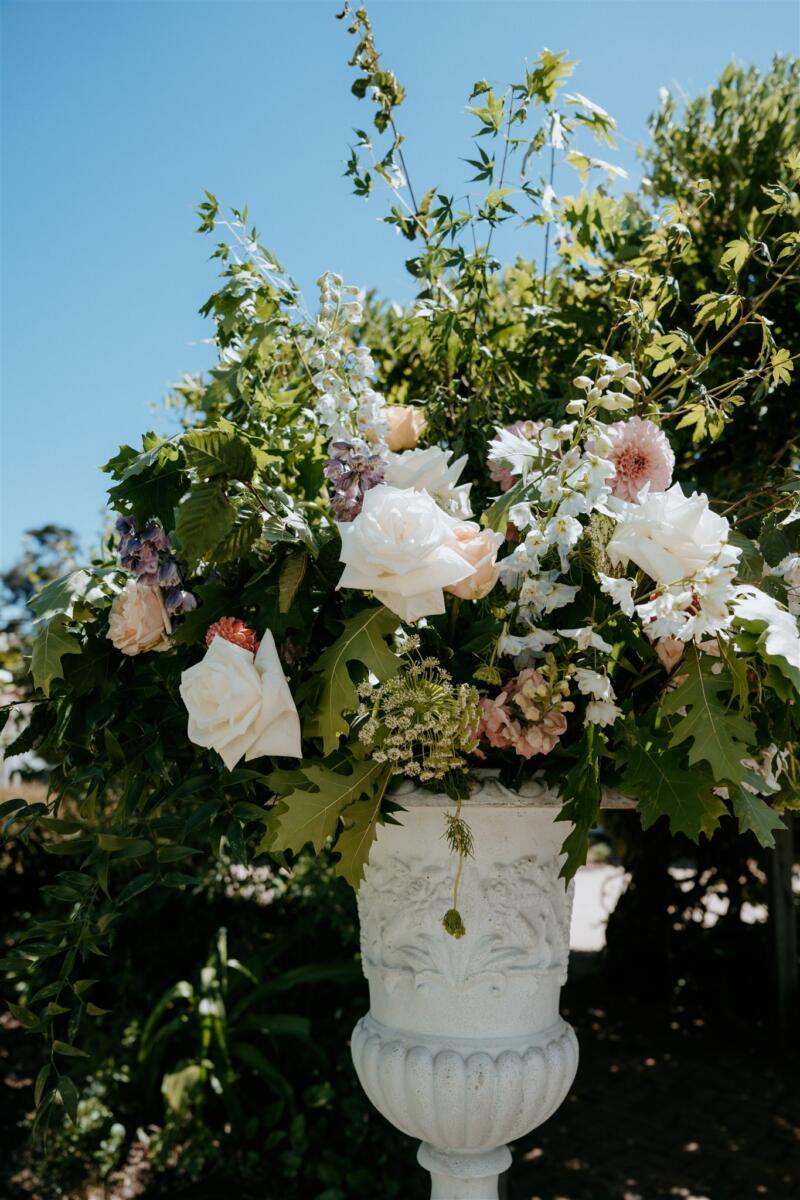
[[596, 612], [466, 534]]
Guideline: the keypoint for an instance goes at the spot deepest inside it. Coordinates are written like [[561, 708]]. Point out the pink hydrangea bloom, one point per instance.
[[521, 718], [496, 724], [541, 738], [641, 455]]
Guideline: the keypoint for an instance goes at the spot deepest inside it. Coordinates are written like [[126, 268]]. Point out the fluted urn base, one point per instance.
[[463, 1047], [468, 1176]]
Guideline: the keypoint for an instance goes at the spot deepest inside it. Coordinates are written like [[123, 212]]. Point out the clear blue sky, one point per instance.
[[117, 114]]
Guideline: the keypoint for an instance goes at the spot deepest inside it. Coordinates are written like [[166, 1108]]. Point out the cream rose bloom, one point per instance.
[[406, 423], [670, 536], [479, 547], [138, 620], [240, 704], [402, 547], [431, 471]]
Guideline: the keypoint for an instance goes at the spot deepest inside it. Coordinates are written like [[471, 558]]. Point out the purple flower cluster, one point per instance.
[[146, 553], [352, 474]]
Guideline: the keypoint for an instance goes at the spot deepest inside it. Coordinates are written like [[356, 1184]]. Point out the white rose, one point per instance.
[[239, 704], [402, 547], [138, 620], [431, 471], [670, 536]]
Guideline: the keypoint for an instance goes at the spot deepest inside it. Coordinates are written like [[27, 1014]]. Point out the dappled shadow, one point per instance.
[[664, 1107]]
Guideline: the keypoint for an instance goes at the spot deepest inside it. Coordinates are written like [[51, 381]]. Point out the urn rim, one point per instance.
[[489, 791]]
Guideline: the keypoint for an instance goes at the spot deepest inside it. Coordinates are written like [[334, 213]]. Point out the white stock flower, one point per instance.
[[521, 515], [788, 569], [512, 450], [670, 536], [585, 638], [431, 471], [592, 683], [602, 712], [402, 547], [533, 642], [564, 531], [240, 704], [690, 611], [139, 621], [619, 590], [551, 489], [543, 594]]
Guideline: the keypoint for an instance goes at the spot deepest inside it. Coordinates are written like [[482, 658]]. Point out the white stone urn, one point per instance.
[[463, 1046]]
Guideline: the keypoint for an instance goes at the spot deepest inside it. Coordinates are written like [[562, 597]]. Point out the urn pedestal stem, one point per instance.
[[463, 1047]]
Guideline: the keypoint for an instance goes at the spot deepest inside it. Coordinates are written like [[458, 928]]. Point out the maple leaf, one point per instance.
[[755, 814], [363, 641], [310, 809], [719, 735], [360, 821], [53, 641], [582, 794], [656, 774]]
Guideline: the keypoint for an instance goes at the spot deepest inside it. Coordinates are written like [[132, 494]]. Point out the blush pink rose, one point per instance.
[[670, 652], [406, 423], [479, 548], [138, 621]]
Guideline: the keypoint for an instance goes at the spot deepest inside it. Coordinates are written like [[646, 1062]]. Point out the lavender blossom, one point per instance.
[[153, 535], [178, 602], [141, 551], [125, 527], [168, 574], [352, 475]]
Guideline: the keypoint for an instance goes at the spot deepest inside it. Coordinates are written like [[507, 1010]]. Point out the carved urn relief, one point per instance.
[[463, 1046]]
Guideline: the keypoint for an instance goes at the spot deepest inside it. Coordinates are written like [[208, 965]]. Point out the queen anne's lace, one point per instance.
[[420, 723]]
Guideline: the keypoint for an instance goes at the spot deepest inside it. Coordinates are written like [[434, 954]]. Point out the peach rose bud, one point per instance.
[[479, 548], [670, 652], [406, 423]]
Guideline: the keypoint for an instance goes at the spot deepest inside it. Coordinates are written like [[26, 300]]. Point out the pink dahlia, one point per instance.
[[641, 455], [233, 630]]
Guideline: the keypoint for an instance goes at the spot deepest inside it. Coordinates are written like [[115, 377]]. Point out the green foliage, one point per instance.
[[313, 799], [755, 814], [52, 643], [202, 520], [690, 279], [213, 452], [582, 791], [150, 483], [658, 776], [719, 735], [362, 641]]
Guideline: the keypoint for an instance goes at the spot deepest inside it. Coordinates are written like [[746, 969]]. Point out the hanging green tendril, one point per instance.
[[459, 839]]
